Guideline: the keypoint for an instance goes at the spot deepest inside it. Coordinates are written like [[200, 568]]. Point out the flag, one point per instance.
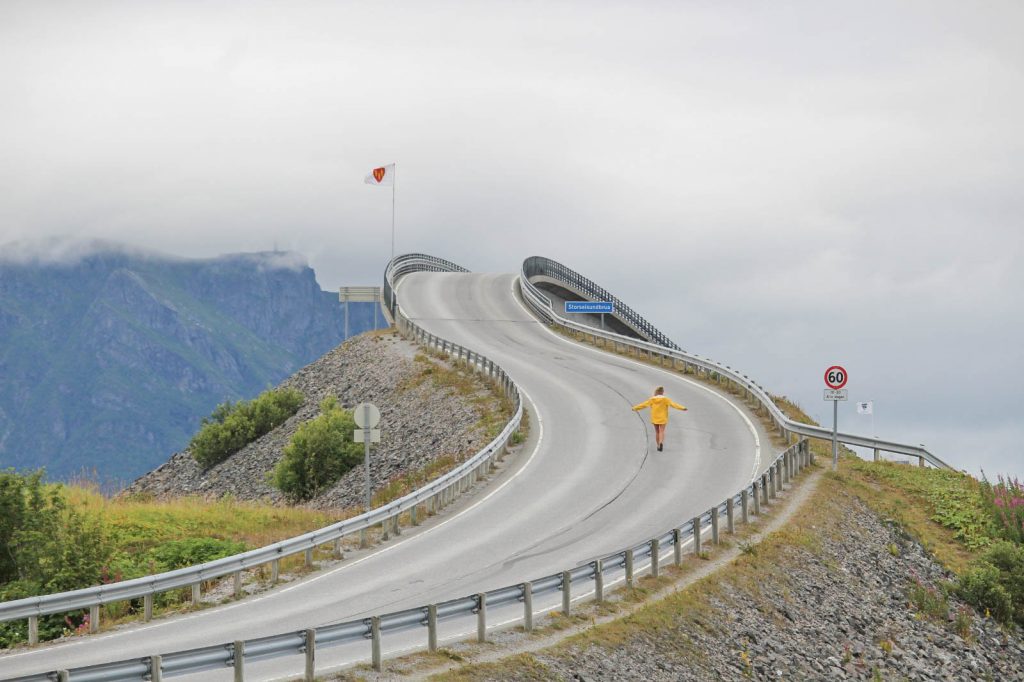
[[866, 408], [385, 175]]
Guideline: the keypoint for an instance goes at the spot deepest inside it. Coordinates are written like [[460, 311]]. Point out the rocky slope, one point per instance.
[[420, 421], [830, 597], [110, 357]]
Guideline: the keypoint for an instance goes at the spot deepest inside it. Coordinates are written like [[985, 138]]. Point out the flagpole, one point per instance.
[[394, 184]]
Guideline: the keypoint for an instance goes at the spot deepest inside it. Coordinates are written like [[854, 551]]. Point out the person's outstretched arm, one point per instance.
[[646, 403], [677, 406]]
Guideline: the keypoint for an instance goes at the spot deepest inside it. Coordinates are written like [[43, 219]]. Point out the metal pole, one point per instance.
[[346, 317], [835, 431], [366, 450], [394, 183]]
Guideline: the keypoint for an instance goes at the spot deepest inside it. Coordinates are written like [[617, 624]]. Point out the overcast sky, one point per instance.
[[780, 186]]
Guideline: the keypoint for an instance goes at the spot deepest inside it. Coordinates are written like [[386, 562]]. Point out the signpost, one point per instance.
[[835, 379], [592, 307], [359, 295], [366, 417]]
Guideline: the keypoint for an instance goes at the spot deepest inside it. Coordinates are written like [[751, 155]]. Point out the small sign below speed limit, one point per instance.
[[835, 377]]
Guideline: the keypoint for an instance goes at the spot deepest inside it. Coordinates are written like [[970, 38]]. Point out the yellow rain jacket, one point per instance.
[[659, 405]]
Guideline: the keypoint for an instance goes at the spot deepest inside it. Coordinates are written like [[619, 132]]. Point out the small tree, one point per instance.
[[320, 453]]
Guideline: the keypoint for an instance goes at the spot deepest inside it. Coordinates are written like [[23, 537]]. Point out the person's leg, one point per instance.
[[659, 434]]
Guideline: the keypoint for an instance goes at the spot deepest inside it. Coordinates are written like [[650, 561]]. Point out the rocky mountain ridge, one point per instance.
[[110, 357], [419, 423]]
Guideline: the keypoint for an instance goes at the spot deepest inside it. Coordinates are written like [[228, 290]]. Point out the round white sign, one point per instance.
[[366, 415]]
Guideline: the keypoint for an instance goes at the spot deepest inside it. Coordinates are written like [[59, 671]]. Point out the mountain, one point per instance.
[[110, 356]]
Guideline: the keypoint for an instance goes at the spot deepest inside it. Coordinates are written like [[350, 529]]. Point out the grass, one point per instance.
[[138, 524]]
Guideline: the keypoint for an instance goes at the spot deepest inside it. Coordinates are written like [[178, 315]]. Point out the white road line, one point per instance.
[[750, 424], [321, 576]]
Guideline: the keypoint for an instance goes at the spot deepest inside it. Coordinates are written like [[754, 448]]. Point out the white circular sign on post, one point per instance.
[[835, 377], [359, 414]]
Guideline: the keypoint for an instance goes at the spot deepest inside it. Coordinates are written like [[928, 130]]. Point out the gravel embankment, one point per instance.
[[836, 608], [419, 423]]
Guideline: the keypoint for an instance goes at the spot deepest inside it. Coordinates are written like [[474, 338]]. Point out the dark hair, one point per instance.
[[659, 390]]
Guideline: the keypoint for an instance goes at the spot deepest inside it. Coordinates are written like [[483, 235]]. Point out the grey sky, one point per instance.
[[780, 187]]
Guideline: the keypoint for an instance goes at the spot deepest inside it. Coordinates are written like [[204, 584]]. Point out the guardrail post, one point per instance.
[[481, 617], [196, 594], [309, 558], [773, 483], [920, 461], [714, 525], [156, 668], [779, 475], [432, 628], [810, 453], [94, 619], [375, 643], [757, 498], [310, 655], [785, 466], [764, 488], [63, 676], [566, 592], [338, 552], [384, 535], [677, 545], [238, 660], [877, 455], [412, 516], [730, 516], [528, 607], [599, 581], [237, 584], [33, 630], [397, 530], [629, 568], [363, 541], [147, 608], [696, 535], [745, 506], [275, 571], [655, 558]]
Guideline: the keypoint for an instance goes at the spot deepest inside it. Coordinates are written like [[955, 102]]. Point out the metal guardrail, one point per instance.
[[436, 494], [748, 501], [539, 266], [536, 267], [668, 545]]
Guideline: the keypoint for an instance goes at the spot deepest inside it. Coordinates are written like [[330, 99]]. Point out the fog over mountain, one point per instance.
[[780, 186], [110, 355]]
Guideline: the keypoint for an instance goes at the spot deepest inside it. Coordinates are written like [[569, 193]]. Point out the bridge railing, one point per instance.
[[668, 353], [433, 496]]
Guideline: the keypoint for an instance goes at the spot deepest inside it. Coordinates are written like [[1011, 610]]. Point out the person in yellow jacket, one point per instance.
[[659, 404]]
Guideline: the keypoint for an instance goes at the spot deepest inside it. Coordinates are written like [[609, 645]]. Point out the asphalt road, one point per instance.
[[588, 483]]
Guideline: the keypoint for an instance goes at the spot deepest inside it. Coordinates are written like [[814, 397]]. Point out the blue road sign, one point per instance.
[[589, 307]]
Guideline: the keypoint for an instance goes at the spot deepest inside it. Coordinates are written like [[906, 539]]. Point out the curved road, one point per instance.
[[588, 483]]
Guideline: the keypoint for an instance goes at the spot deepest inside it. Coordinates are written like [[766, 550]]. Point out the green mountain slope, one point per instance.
[[109, 361]]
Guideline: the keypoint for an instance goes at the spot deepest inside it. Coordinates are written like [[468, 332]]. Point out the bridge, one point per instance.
[[587, 504]]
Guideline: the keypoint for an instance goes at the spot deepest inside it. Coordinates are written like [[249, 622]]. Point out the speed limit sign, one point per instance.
[[835, 377]]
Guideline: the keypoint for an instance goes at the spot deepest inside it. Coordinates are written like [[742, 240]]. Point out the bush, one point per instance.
[[1005, 501], [320, 452], [996, 583], [191, 551], [45, 546], [233, 426]]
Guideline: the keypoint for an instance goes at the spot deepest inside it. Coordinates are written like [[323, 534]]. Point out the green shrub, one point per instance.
[[191, 551], [45, 546], [233, 426], [996, 583], [320, 452]]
